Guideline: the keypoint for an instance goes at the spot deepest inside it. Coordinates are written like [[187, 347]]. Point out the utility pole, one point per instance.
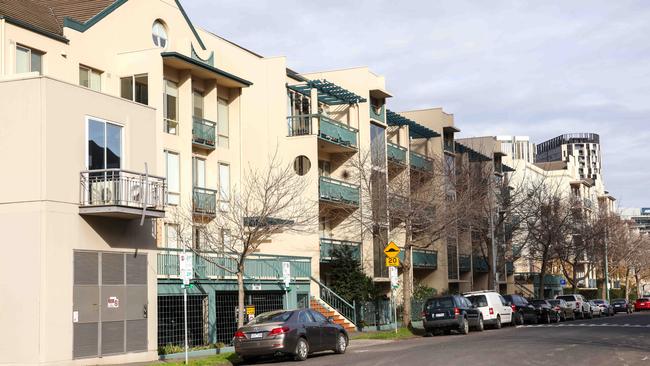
[[495, 284], [606, 267]]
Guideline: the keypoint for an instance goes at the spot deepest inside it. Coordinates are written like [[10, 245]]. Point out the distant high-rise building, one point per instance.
[[584, 148], [518, 147], [641, 217]]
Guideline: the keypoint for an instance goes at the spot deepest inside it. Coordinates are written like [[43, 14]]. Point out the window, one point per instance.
[[199, 238], [90, 78], [171, 236], [198, 172], [222, 123], [324, 168], [170, 107], [159, 34], [226, 243], [135, 88], [104, 145], [224, 185], [28, 60], [197, 103], [172, 163], [318, 317], [305, 317], [301, 165]]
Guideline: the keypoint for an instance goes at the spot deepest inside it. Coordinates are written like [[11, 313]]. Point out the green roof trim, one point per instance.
[[20, 23], [416, 130], [209, 61], [189, 22], [206, 67], [82, 27], [328, 92], [507, 169]]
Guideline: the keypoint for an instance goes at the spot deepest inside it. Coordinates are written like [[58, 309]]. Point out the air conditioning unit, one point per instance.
[[101, 193]]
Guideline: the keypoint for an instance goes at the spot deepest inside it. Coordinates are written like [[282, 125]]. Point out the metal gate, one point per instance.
[[171, 322], [226, 308]]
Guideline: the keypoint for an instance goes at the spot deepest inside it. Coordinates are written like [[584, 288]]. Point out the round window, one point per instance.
[[301, 165], [159, 34]]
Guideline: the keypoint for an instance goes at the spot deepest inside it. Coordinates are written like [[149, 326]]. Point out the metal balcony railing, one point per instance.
[[338, 191], [328, 129], [327, 246], [396, 153], [420, 162], [121, 191], [204, 201], [422, 258], [464, 263], [378, 113], [480, 263], [204, 132]]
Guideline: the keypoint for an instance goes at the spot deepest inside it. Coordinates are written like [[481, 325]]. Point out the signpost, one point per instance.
[[185, 266], [286, 277], [392, 262]]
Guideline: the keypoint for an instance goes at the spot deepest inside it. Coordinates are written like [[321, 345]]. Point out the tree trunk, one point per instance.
[[407, 288], [240, 295], [542, 273], [638, 283], [574, 283], [627, 284]]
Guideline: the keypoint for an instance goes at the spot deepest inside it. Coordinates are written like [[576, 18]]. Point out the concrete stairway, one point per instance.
[[328, 311]]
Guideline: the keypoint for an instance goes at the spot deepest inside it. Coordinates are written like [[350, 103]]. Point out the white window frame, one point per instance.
[[90, 72], [29, 50], [178, 236], [105, 121], [169, 192], [223, 140], [224, 197], [170, 124]]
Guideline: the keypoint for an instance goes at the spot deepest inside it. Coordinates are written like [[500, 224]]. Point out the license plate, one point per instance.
[[617, 306], [256, 335], [440, 315]]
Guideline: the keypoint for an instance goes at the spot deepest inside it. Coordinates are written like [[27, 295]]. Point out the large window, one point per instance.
[[90, 78], [224, 185], [222, 123], [135, 88], [171, 236], [159, 34], [197, 103], [173, 168], [104, 145], [198, 172], [170, 107], [28, 60]]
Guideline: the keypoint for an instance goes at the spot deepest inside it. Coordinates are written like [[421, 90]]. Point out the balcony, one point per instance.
[[204, 202], [448, 146], [121, 194], [203, 133], [420, 162], [480, 264], [327, 246], [378, 113], [464, 263], [510, 267], [340, 137], [422, 259], [218, 266], [396, 154], [332, 190]]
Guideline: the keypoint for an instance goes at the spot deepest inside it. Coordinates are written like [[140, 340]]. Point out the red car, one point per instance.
[[642, 304]]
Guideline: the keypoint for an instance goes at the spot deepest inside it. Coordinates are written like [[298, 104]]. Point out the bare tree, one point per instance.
[[268, 202]]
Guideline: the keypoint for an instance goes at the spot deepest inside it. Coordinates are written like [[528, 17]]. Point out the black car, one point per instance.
[[622, 306], [452, 312], [522, 311], [546, 312]]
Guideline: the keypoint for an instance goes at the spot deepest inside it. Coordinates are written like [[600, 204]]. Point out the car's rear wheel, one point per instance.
[[519, 318], [547, 318], [341, 344], [464, 326], [497, 324], [302, 350]]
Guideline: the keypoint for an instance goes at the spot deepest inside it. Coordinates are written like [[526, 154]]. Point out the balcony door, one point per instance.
[[198, 172], [104, 149]]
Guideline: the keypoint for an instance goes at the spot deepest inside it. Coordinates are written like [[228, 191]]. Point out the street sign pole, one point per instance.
[[392, 261], [185, 312]]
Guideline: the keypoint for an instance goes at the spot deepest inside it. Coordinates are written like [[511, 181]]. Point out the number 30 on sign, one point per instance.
[[392, 262]]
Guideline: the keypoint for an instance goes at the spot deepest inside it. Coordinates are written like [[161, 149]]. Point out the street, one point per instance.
[[618, 340]]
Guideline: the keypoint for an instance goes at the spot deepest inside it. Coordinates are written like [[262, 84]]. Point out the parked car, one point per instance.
[[642, 304], [292, 332], [605, 306], [622, 306], [452, 312], [594, 309], [493, 307], [564, 309], [522, 311], [546, 313], [578, 304]]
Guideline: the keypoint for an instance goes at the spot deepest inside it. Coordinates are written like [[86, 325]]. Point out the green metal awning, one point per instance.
[[473, 154], [415, 130], [328, 92], [507, 168]]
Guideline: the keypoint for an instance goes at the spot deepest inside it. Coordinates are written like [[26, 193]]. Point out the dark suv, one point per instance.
[[522, 311], [453, 312]]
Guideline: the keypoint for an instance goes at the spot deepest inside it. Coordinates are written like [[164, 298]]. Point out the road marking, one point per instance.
[[361, 351]]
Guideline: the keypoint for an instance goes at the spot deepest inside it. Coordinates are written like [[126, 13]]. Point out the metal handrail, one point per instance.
[[338, 182], [339, 304], [120, 187]]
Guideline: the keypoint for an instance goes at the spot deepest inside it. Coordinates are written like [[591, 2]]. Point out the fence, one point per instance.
[[171, 323], [379, 313]]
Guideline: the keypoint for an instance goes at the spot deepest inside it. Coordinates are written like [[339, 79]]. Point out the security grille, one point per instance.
[[226, 308], [171, 322], [452, 261]]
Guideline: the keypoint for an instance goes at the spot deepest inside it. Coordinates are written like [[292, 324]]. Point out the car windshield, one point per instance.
[[618, 301], [554, 302], [643, 300], [441, 302], [599, 301], [567, 298], [272, 317], [478, 300], [538, 302]]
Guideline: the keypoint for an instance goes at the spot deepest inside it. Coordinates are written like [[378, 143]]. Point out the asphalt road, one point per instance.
[[619, 340]]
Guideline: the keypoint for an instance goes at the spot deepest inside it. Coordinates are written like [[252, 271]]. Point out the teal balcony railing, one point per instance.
[[203, 132], [204, 201], [420, 162], [396, 153], [378, 113], [327, 246], [464, 263], [338, 191], [328, 129], [422, 258], [214, 265], [480, 263], [550, 280], [510, 267]]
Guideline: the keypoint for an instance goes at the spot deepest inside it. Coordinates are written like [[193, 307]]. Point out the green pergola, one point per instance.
[[473, 154], [415, 130], [328, 92]]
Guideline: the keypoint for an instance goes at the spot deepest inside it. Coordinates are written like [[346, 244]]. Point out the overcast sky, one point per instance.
[[501, 67]]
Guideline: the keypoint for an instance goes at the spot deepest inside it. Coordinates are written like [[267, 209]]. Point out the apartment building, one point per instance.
[[640, 216], [517, 148], [583, 147]]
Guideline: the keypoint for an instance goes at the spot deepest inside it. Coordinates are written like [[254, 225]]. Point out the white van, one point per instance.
[[493, 307]]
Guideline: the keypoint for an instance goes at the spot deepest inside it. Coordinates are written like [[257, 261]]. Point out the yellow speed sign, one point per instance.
[[392, 262]]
